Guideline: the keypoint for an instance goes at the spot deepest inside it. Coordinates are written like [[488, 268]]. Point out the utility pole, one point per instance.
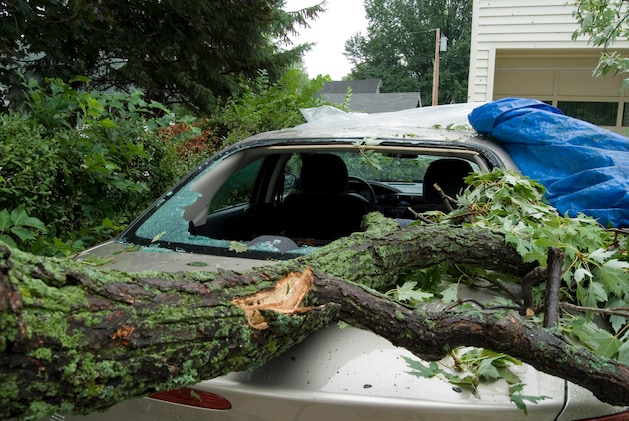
[[435, 75]]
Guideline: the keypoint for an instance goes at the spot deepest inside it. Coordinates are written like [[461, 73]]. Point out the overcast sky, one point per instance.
[[342, 19]]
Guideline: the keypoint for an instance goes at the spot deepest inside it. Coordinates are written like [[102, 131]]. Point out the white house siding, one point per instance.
[[525, 48]]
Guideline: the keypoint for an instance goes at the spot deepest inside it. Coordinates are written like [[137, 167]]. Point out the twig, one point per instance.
[[619, 311], [481, 305], [533, 277], [419, 216], [553, 275], [447, 200], [618, 232]]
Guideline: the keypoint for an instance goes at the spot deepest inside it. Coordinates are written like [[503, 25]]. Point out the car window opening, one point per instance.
[[293, 202]]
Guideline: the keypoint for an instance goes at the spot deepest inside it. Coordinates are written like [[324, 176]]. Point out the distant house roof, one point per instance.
[[366, 97], [364, 86], [376, 102]]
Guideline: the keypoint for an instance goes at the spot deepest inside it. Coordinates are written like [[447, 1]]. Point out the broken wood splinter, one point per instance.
[[286, 297]]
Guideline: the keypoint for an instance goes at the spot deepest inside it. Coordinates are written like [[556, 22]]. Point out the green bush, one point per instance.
[[82, 163], [18, 225], [264, 106]]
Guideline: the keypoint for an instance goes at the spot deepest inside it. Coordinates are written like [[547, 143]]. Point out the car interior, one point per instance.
[[323, 207], [313, 197]]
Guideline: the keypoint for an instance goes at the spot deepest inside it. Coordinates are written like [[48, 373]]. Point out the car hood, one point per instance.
[[131, 258]]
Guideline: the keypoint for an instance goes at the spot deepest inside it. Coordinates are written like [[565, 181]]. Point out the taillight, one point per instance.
[[619, 416], [193, 397]]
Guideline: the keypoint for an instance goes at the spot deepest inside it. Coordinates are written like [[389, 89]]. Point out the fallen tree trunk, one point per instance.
[[74, 339], [104, 337]]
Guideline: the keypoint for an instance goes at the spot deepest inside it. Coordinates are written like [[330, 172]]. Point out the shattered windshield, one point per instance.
[[235, 204]]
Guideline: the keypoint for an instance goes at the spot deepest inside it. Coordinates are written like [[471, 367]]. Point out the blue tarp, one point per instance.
[[584, 168]]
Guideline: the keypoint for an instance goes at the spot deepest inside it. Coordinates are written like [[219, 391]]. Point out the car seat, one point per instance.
[[448, 174], [323, 209]]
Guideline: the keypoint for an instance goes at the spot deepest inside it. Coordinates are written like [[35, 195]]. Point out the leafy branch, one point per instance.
[[591, 278], [469, 368], [594, 273]]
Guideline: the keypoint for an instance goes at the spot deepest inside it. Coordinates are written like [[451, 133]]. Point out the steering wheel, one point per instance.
[[364, 189]]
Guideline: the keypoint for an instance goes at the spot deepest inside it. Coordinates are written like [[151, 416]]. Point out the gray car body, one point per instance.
[[338, 373]]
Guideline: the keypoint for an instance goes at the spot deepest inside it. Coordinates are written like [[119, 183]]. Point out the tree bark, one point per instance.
[[76, 339]]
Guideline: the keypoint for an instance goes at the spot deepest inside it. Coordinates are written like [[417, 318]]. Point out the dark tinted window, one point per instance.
[[599, 113]]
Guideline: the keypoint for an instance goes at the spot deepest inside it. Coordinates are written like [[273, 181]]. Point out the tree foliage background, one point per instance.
[[399, 47], [190, 52], [76, 166], [604, 22], [88, 94]]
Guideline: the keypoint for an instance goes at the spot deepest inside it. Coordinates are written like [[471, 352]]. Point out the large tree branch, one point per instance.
[[376, 257], [104, 337], [431, 335], [78, 339]]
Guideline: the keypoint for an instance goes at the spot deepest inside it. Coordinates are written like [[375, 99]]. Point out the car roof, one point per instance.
[[444, 122], [437, 126]]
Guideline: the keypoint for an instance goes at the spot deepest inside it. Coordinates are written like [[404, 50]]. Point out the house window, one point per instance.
[[625, 114], [599, 113]]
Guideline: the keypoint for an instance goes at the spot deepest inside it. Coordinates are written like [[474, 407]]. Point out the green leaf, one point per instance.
[[22, 233], [618, 322], [96, 261], [157, 237], [469, 380], [603, 342], [107, 123], [5, 220], [128, 249], [420, 370], [519, 400], [608, 346], [581, 273], [600, 255], [7, 240], [80, 78], [487, 370], [450, 294], [407, 293], [591, 295], [509, 376], [18, 216], [502, 301], [33, 223], [613, 276], [238, 247]]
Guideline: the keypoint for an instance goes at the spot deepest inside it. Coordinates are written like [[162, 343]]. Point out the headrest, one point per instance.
[[448, 173], [323, 173]]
